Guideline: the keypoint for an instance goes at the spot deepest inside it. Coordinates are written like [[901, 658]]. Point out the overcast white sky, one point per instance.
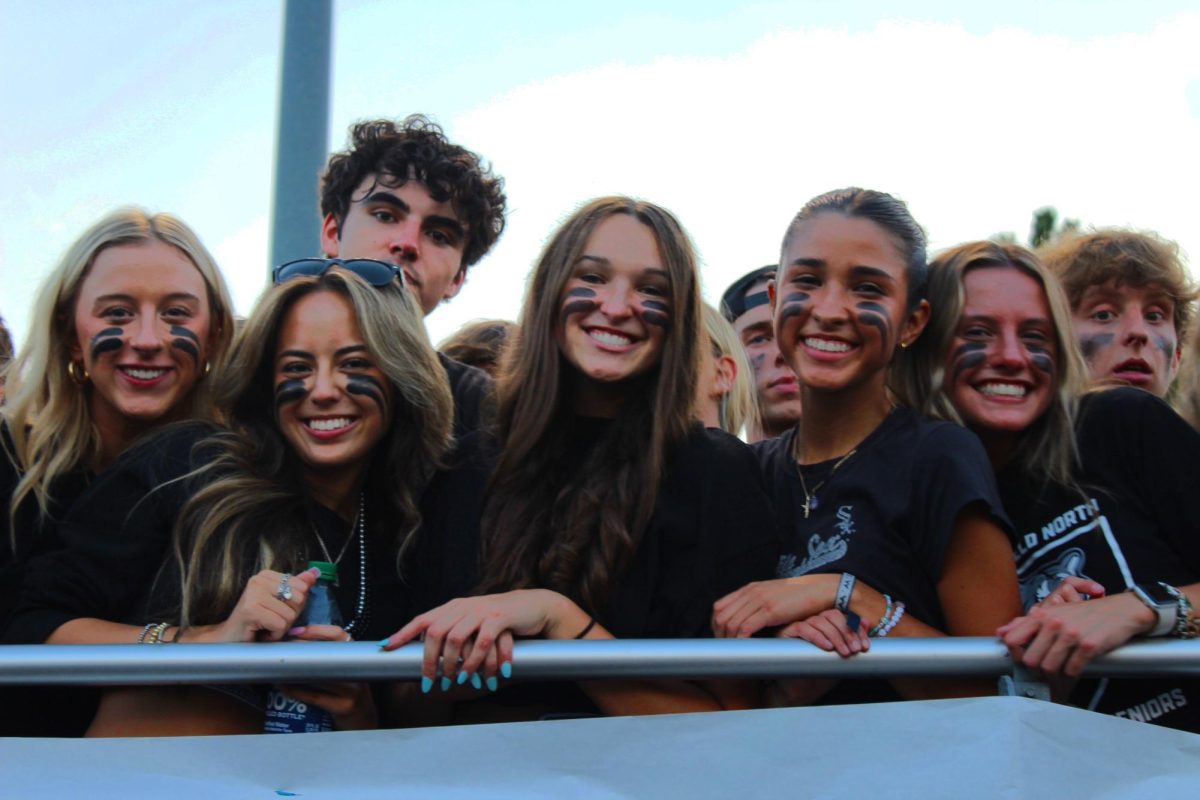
[[730, 114]]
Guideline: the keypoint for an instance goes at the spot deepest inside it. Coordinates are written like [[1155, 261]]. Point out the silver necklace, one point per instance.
[[355, 530], [359, 620]]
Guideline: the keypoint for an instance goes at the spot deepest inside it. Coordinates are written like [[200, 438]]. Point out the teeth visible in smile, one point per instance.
[[827, 346], [1003, 389], [328, 424], [144, 374], [605, 337]]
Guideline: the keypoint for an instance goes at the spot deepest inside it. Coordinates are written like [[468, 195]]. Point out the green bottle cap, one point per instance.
[[328, 570]]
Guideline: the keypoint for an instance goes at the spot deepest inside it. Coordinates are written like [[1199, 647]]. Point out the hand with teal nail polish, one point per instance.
[[476, 681], [475, 634]]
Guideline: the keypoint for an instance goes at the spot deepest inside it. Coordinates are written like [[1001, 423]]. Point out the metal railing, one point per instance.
[[130, 664]]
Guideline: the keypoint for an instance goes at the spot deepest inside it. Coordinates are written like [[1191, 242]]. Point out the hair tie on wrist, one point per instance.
[[591, 624]]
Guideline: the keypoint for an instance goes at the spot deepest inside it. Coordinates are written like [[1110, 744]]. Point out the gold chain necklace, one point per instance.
[[810, 498]]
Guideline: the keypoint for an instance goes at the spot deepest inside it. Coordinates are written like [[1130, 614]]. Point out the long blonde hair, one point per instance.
[[918, 376], [254, 514], [47, 414]]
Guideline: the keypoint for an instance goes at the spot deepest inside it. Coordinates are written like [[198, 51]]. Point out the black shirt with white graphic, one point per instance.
[[886, 515], [1132, 520]]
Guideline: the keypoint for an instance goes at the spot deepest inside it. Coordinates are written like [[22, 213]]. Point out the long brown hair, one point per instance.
[[254, 515], [573, 527]]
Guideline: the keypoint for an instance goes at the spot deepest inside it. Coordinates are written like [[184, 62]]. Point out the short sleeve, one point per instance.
[[951, 472], [1137, 446]]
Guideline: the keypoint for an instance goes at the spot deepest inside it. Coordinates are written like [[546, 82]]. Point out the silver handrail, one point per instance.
[[130, 664]]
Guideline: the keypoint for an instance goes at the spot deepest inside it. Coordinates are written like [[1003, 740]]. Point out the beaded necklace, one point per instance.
[[361, 612]]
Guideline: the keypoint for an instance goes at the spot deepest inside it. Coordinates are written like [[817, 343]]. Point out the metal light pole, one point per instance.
[[302, 138]]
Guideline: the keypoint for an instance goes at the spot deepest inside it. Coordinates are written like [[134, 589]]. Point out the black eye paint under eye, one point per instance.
[[107, 340], [584, 306], [289, 391], [875, 315], [1089, 344], [656, 313], [1042, 362], [1166, 345], [793, 305], [367, 386], [966, 356], [187, 341]]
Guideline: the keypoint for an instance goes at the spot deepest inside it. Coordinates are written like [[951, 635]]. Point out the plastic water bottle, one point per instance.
[[287, 714]]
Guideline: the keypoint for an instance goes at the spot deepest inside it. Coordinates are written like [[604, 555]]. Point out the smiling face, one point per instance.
[[774, 381], [1127, 334], [332, 402], [403, 225], [614, 310], [141, 323], [1002, 366], [840, 302]]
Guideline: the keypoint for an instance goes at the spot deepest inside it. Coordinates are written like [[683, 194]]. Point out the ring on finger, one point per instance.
[[284, 592]]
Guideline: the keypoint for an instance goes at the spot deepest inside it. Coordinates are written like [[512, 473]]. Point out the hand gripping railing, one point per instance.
[[127, 664]]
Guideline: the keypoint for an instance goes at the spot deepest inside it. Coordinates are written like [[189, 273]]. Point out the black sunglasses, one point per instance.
[[376, 273]]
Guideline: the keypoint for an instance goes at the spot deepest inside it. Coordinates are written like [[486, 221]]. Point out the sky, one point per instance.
[[730, 114]]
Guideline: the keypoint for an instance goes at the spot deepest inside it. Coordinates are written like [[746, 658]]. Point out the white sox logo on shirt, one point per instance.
[[821, 551]]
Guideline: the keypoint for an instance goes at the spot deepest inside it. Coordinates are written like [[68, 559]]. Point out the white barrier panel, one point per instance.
[[626, 658], [982, 748]]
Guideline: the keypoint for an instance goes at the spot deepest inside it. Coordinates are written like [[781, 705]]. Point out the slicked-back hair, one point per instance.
[[417, 149], [1125, 258], [48, 415], [887, 212], [573, 527], [254, 513], [918, 376], [480, 343]]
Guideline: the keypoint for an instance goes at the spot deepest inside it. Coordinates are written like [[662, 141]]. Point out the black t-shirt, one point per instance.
[[886, 515], [1133, 523], [711, 533], [117, 563], [35, 710], [472, 391]]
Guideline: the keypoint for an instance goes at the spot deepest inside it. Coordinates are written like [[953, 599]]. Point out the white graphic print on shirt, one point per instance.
[[821, 551], [1079, 539]]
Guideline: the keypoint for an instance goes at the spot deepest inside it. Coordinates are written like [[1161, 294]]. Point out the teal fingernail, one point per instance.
[[462, 677], [426, 684], [445, 684], [506, 669], [384, 642], [476, 681], [493, 684]]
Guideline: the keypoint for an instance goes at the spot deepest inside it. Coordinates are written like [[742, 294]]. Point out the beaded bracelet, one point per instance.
[[145, 630], [887, 612], [891, 623], [156, 633]]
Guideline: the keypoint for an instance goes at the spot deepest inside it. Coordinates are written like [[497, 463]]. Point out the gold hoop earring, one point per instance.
[[73, 370]]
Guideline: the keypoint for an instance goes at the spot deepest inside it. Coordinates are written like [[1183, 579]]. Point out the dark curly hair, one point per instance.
[[416, 148]]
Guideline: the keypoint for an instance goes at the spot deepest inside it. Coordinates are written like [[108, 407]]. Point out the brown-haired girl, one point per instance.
[[612, 512]]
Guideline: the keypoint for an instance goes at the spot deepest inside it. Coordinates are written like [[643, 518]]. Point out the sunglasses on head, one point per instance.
[[376, 273]]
